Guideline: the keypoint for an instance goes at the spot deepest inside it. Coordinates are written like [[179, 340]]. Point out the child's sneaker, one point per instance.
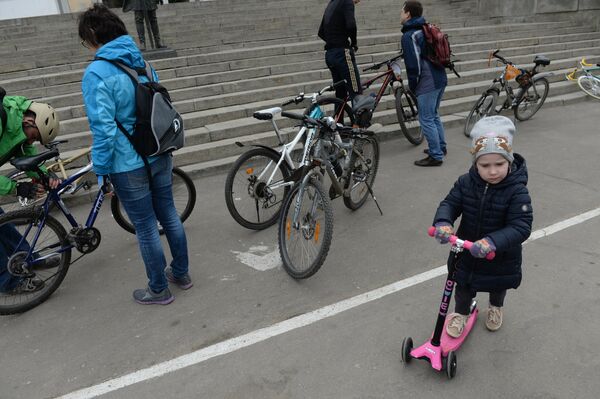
[[494, 318], [456, 324], [146, 296], [185, 282]]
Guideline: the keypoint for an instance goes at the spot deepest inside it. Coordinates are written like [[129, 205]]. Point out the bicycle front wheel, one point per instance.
[[19, 295], [184, 197], [364, 163], [532, 100], [304, 245], [590, 85], [482, 108], [408, 116]]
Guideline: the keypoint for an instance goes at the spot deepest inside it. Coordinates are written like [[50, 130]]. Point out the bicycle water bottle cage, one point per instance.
[[31, 164], [541, 60]]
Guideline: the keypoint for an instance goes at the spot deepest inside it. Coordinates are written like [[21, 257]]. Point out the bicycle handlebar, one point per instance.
[[300, 97], [454, 240], [375, 67]]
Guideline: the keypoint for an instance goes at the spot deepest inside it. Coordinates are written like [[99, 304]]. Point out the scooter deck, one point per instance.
[[452, 344]]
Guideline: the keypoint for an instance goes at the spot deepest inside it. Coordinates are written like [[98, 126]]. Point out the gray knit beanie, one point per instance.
[[493, 135]]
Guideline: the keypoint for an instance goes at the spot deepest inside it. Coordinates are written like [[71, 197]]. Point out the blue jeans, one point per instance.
[[431, 124], [145, 205], [9, 240]]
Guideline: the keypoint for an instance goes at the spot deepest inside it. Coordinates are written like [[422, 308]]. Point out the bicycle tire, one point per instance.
[[407, 113], [307, 233], [27, 217], [323, 102], [477, 112], [357, 171], [539, 100], [590, 85], [253, 189], [184, 204]]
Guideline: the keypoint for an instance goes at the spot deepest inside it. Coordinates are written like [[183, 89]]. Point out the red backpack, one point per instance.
[[437, 47]]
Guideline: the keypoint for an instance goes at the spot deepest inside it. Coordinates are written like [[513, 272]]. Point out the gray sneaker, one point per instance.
[[184, 282], [28, 285], [146, 296], [494, 318], [48, 263]]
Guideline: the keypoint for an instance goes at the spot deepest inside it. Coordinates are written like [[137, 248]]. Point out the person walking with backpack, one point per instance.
[[338, 31], [426, 80], [145, 192]]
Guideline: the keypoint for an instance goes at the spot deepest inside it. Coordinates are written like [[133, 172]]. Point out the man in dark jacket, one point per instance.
[[426, 80], [338, 30], [496, 215], [143, 8]]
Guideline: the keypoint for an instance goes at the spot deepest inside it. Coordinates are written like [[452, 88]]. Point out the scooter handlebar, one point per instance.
[[464, 243]]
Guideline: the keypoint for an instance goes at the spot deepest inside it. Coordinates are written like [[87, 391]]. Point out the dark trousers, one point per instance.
[[139, 25], [342, 64], [463, 296]]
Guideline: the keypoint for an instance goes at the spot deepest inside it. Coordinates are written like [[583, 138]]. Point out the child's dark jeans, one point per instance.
[[464, 295]]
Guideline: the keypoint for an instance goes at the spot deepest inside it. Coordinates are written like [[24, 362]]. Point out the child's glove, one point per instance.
[[481, 248], [443, 231]]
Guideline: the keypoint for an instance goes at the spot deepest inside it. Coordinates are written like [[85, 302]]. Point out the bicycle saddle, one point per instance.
[[541, 60], [266, 114], [29, 164]]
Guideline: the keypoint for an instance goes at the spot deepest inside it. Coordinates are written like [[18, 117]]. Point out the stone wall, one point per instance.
[[586, 11]]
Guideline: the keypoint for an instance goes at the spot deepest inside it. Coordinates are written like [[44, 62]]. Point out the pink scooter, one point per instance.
[[440, 349]]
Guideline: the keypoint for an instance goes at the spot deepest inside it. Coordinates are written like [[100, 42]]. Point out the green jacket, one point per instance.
[[12, 141]]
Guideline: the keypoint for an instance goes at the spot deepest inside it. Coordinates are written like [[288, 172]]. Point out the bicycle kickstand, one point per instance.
[[374, 198]]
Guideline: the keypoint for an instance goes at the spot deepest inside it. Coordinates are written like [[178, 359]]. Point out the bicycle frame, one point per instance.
[[54, 197]]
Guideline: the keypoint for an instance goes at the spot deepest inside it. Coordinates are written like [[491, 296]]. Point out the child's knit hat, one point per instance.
[[493, 135]]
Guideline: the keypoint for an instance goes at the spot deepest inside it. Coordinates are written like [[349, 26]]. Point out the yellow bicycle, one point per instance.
[[587, 82]]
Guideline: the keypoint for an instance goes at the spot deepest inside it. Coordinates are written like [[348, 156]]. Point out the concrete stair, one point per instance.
[[235, 57]]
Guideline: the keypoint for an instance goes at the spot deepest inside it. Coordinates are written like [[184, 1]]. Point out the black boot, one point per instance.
[[429, 162]]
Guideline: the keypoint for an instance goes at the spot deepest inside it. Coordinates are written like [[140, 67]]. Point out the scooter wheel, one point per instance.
[[451, 365], [407, 346]]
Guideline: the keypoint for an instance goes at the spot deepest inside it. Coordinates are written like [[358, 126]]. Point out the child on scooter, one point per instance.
[[496, 215]]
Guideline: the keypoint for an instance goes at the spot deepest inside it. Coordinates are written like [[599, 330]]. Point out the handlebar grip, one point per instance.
[[431, 231], [338, 84], [287, 102]]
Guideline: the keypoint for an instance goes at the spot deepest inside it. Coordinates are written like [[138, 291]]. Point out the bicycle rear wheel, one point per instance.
[[532, 100], [252, 202], [408, 116], [304, 247], [184, 197], [364, 163], [482, 108], [590, 85], [51, 241]]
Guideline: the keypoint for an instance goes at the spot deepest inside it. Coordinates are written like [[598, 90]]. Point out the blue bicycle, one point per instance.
[[36, 243]]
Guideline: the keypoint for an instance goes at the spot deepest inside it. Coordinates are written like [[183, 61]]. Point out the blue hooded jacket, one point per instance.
[[109, 94], [423, 76]]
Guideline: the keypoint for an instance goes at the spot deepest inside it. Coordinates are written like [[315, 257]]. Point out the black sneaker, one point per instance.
[[146, 296], [185, 282], [426, 151], [28, 285], [429, 162]]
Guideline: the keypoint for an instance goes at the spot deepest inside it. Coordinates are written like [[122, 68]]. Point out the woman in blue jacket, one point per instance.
[[109, 95], [495, 208]]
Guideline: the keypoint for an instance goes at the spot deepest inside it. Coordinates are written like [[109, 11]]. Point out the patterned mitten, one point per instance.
[[481, 248], [443, 231]]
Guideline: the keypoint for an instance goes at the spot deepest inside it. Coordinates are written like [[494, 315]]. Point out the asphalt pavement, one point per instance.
[[247, 333]]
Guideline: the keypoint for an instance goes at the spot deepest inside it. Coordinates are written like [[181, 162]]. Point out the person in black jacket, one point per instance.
[[338, 30], [496, 215]]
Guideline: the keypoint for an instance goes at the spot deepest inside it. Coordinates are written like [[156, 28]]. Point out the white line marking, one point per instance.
[[251, 338]]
